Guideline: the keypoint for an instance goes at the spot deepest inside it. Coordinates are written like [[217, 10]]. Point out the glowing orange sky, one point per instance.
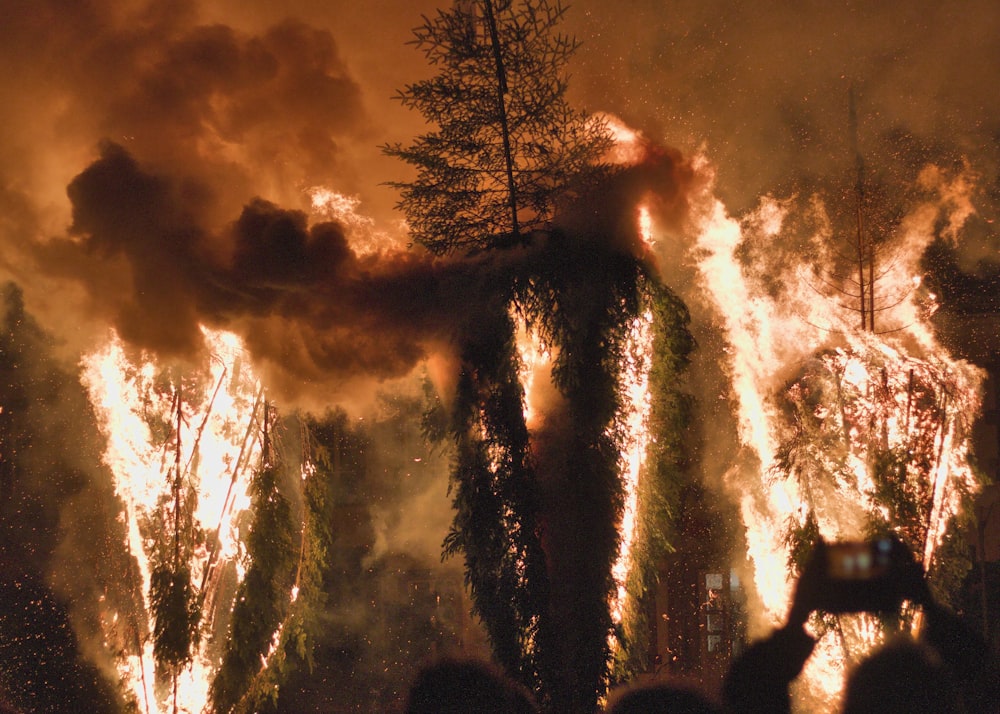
[[233, 102]]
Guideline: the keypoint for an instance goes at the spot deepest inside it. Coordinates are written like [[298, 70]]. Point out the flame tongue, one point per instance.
[[636, 400], [217, 441], [834, 420]]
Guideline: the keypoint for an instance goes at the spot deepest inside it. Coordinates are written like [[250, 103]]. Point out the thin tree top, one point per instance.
[[507, 146]]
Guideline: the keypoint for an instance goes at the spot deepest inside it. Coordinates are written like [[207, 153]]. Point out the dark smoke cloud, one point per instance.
[[237, 114], [153, 270], [247, 102], [307, 304]]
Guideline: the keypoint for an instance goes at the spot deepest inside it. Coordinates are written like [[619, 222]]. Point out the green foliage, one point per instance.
[[460, 198], [952, 560], [55, 501], [664, 477], [262, 598], [539, 546], [583, 300], [176, 616], [907, 502], [495, 497], [302, 623], [173, 600], [800, 539]]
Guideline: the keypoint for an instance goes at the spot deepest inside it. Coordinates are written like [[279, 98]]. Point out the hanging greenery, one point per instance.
[[173, 600], [301, 625], [262, 599], [175, 616], [665, 476], [495, 496], [536, 518]]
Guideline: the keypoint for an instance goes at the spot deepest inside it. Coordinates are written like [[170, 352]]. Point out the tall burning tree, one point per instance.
[[230, 572], [850, 431], [540, 499]]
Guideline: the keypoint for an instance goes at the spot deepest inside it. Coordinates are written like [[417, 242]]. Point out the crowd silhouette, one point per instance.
[[948, 669]]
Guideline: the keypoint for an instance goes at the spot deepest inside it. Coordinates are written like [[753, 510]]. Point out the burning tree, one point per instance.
[[871, 437], [262, 598], [180, 466], [539, 507], [858, 431], [856, 271]]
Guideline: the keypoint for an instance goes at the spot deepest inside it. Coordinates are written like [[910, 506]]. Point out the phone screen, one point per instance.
[[858, 561], [860, 576]]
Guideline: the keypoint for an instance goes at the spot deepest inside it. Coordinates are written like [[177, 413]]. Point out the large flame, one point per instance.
[[636, 405], [137, 404], [879, 380]]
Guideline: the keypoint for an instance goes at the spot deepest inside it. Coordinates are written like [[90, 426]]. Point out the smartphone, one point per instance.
[[859, 560], [860, 576]]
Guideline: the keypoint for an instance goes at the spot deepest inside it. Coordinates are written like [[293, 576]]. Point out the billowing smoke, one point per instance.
[[301, 297]]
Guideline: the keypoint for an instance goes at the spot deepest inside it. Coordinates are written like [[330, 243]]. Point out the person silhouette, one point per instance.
[[950, 669], [456, 686]]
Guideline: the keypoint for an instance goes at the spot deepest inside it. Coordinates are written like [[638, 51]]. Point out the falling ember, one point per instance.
[[140, 406], [829, 418]]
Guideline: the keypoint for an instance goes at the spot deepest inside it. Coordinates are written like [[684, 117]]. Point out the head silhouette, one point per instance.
[[662, 699], [466, 687], [904, 676]]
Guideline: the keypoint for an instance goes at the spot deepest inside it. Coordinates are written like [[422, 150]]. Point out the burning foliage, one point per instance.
[[857, 432], [871, 440], [546, 502], [539, 507], [262, 598]]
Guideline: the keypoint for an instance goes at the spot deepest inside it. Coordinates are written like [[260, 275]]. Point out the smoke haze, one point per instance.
[[220, 105]]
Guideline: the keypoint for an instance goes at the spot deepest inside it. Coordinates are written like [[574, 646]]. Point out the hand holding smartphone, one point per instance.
[[859, 576]]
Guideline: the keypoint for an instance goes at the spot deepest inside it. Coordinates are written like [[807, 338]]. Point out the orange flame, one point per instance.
[[636, 406], [220, 441], [767, 337]]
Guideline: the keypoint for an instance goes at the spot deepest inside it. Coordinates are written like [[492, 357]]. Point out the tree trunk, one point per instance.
[[502, 110]]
